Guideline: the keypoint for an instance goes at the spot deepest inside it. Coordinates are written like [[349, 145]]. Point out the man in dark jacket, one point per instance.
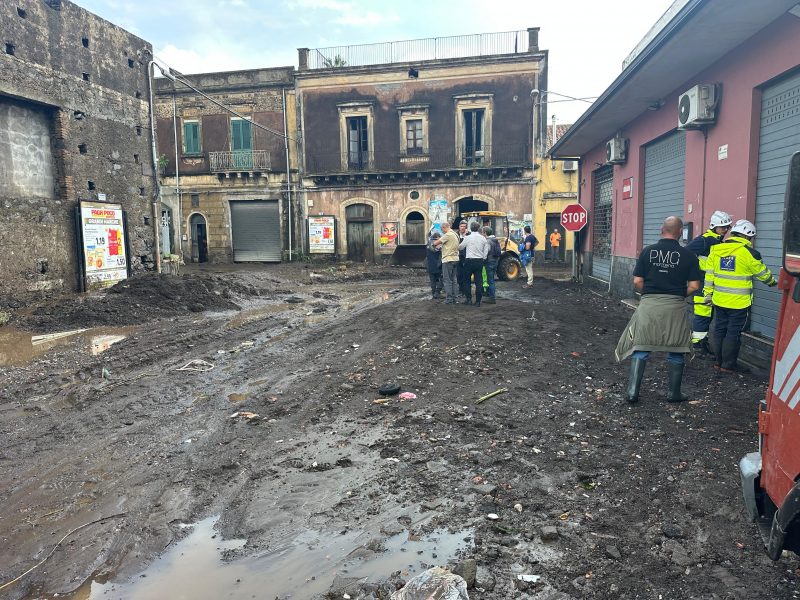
[[490, 268], [434, 265], [719, 225]]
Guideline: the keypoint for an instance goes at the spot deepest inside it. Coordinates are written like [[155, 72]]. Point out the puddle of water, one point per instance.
[[19, 348], [299, 568]]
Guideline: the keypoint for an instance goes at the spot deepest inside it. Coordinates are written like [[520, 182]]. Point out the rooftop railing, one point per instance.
[[457, 46]]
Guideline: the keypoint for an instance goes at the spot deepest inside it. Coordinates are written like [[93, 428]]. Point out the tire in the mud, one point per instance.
[[509, 268]]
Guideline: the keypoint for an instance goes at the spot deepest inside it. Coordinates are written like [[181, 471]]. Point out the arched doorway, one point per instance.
[[199, 229], [465, 205], [360, 233], [415, 228]]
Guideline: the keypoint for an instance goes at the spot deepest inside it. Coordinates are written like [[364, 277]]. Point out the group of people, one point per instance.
[[717, 273], [456, 259]]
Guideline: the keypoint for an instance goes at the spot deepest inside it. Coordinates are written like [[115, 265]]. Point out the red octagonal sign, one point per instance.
[[574, 217]]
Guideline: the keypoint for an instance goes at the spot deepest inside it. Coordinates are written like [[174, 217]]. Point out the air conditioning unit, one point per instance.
[[697, 106], [616, 151], [569, 166]]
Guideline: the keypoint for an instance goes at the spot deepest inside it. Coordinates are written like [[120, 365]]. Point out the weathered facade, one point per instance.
[[73, 125], [556, 187], [384, 138], [228, 199], [736, 159]]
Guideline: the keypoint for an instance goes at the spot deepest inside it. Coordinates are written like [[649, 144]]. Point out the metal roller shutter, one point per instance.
[[779, 138], [601, 222], [664, 180], [256, 230]]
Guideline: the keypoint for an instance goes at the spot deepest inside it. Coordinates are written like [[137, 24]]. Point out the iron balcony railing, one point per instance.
[[434, 159], [457, 46], [239, 160]]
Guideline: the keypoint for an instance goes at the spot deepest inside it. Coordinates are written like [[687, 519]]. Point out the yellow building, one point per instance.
[[556, 187]]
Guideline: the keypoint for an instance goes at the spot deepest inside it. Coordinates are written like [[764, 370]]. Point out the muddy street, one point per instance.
[[230, 441]]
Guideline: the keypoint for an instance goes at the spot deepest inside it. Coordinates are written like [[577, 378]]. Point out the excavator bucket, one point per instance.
[[409, 255]]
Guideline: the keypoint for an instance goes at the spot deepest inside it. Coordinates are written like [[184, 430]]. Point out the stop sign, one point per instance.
[[574, 217]]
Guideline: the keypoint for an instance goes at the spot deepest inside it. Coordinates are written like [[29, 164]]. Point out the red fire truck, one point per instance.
[[771, 476]]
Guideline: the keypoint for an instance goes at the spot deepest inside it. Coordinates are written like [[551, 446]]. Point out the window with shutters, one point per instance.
[[191, 137], [241, 144], [356, 136], [413, 132], [474, 129]]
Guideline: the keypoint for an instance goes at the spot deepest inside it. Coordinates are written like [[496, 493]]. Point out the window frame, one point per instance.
[[469, 102], [199, 138], [413, 112], [348, 110]]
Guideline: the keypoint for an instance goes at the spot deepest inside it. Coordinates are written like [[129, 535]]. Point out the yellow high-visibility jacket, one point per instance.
[[701, 246], [730, 269]]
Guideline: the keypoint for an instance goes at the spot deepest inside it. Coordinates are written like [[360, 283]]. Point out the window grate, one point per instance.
[[601, 221]]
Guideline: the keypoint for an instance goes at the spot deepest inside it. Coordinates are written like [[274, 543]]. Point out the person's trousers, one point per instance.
[[473, 268], [491, 271], [450, 281], [436, 283], [728, 326], [700, 327], [529, 271], [672, 357]]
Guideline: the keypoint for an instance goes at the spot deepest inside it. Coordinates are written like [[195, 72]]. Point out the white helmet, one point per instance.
[[744, 227], [720, 219]]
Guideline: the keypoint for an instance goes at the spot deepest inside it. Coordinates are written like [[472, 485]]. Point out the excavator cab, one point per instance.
[[509, 267]]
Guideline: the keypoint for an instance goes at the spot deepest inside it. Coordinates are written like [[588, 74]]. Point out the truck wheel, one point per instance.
[[509, 268]]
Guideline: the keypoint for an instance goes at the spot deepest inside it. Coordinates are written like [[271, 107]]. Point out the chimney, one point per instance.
[[302, 54], [533, 39]]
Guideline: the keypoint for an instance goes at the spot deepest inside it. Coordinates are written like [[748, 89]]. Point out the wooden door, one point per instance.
[[360, 241]]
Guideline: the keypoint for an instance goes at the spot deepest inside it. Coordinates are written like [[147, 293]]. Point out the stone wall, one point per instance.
[[74, 90]]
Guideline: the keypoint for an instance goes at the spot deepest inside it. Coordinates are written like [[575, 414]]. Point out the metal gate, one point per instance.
[[664, 181], [601, 222], [779, 138], [256, 230]]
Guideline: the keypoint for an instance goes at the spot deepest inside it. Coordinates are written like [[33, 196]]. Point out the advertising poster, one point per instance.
[[439, 212], [104, 254], [321, 238], [388, 239]]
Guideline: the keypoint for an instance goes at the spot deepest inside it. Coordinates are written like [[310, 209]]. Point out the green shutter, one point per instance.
[[240, 135], [191, 137]]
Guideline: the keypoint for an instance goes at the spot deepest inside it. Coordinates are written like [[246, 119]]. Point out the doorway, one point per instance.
[[554, 253], [360, 233], [415, 228], [197, 224], [465, 205], [166, 231]]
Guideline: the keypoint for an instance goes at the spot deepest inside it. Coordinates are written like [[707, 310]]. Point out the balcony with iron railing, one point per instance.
[[434, 159], [239, 160], [415, 51]]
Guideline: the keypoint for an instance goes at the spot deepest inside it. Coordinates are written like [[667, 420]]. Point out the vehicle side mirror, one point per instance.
[[791, 220]]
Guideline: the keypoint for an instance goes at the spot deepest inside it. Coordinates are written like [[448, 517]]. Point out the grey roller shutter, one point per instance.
[[256, 230], [664, 180], [601, 222], [779, 138]]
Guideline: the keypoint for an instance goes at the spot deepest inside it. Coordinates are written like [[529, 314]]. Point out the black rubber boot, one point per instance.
[[635, 379], [729, 354], [674, 378]]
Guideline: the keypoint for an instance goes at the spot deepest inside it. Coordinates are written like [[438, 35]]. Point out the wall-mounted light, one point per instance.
[[655, 105]]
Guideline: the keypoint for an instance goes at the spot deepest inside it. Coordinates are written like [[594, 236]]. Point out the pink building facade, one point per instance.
[[737, 163]]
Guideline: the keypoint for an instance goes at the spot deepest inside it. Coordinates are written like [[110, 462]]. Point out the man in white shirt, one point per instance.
[[477, 249]]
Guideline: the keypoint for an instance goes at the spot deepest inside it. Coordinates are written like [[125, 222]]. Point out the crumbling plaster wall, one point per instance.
[[98, 132]]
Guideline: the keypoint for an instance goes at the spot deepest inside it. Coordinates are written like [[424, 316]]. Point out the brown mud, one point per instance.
[[327, 488]]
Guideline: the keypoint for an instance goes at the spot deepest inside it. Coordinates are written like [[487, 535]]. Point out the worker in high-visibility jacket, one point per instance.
[[719, 225], [728, 287]]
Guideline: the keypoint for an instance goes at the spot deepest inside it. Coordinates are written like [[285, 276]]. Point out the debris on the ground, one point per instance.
[[389, 389], [381, 401], [436, 583], [49, 337], [198, 365], [244, 415], [491, 395], [408, 396], [493, 516]]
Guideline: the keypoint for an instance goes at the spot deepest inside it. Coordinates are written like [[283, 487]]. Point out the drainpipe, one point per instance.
[[288, 170], [154, 151], [177, 176]]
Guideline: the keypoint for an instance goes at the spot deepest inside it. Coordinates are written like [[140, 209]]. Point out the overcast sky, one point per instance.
[[587, 39]]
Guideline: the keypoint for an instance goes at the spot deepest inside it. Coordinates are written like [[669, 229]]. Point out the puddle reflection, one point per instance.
[[19, 348]]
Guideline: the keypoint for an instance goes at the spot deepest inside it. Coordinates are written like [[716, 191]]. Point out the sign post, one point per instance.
[[103, 244], [574, 217]]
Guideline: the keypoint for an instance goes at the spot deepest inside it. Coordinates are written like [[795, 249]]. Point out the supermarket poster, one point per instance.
[[104, 256], [321, 231]]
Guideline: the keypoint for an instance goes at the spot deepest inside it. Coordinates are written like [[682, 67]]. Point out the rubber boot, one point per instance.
[[635, 379], [674, 378], [729, 354]]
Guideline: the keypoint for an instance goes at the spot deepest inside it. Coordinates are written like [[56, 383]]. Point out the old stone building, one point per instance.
[[227, 200], [393, 133], [73, 126]]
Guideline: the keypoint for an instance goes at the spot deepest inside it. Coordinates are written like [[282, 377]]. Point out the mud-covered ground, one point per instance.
[[336, 494]]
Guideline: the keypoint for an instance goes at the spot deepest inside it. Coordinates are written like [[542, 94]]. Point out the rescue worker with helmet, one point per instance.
[[719, 225], [728, 287]]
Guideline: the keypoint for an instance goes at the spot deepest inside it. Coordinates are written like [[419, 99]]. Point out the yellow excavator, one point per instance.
[[509, 266]]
